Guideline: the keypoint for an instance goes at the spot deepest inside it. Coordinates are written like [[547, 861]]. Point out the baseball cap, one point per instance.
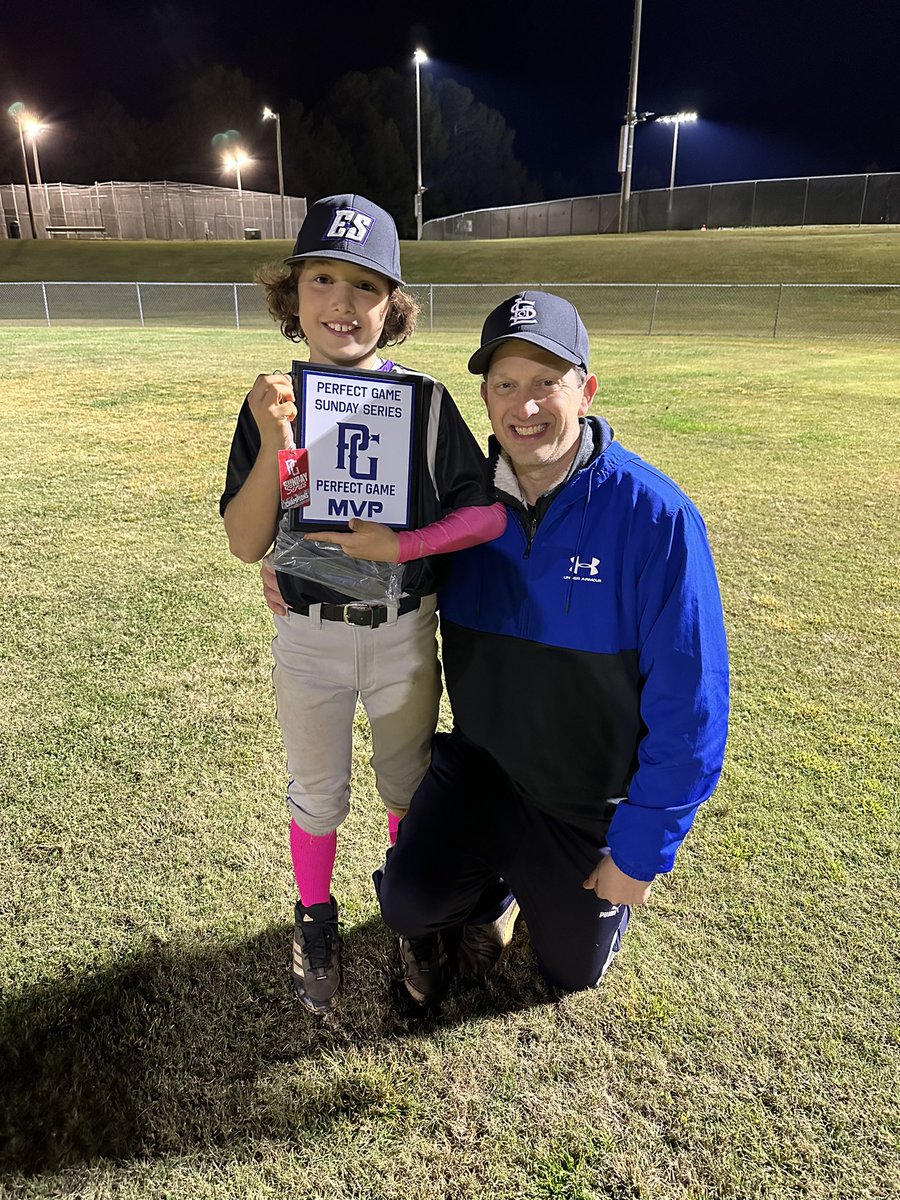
[[353, 229], [538, 317]]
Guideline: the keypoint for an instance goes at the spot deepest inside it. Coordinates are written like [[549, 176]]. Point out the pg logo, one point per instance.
[[352, 441], [350, 225]]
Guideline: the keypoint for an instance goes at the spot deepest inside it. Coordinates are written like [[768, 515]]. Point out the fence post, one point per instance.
[[115, 203], [753, 206], [653, 310], [46, 304], [137, 288], [777, 310], [805, 203], [431, 308], [862, 207], [237, 315]]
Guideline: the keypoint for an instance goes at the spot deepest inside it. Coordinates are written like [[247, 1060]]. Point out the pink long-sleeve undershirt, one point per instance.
[[460, 529]]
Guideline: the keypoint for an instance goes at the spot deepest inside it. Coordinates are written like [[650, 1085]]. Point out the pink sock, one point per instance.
[[313, 859], [393, 826]]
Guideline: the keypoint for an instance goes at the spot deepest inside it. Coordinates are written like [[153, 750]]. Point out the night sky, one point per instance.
[[783, 87]]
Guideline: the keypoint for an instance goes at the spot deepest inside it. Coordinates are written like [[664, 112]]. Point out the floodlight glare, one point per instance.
[[677, 118], [420, 57], [268, 115]]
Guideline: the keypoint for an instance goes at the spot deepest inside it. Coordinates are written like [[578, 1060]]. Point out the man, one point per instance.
[[585, 660]]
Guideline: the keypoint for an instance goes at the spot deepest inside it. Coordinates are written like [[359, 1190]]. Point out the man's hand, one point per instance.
[[615, 886], [368, 539], [273, 596], [271, 402]]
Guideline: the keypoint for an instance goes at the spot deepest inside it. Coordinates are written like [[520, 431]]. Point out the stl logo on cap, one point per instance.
[[350, 225], [522, 312]]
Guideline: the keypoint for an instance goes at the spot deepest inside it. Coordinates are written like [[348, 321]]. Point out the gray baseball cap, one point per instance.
[[353, 229], [540, 317]]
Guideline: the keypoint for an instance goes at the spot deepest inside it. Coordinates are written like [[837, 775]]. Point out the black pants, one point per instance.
[[466, 829]]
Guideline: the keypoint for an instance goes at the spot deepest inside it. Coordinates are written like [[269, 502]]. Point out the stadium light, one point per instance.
[[268, 115], [234, 160], [419, 58], [19, 115], [676, 120], [33, 128]]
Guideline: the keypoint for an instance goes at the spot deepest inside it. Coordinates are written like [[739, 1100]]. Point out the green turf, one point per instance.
[[817, 255], [747, 1044]]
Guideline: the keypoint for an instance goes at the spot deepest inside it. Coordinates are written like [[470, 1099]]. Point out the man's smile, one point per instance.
[[530, 431]]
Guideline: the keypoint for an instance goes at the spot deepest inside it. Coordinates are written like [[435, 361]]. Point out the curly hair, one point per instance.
[[280, 287]]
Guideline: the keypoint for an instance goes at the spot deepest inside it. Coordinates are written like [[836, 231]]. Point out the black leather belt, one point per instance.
[[357, 612]]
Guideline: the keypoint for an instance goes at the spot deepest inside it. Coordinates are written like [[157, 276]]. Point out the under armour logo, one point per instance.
[[522, 312], [590, 566], [350, 225], [352, 440]]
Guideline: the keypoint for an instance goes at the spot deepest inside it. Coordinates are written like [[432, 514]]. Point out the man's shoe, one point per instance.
[[482, 946], [426, 969], [317, 955]]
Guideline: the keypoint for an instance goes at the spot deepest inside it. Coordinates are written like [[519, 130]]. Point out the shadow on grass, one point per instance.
[[165, 1052]]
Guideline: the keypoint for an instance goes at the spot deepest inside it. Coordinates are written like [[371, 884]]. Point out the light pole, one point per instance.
[[418, 58], [17, 112], [268, 115], [33, 127], [233, 161], [675, 120], [626, 139]]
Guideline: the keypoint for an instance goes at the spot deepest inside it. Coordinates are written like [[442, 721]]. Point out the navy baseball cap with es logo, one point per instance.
[[352, 229], [540, 317]]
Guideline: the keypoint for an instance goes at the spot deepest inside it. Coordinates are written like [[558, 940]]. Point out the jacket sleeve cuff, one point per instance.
[[643, 841]]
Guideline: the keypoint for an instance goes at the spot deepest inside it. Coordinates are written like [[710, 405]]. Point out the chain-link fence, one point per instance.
[[136, 211], [825, 200], [667, 309]]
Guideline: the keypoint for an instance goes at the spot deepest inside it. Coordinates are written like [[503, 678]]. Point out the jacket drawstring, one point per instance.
[[584, 512]]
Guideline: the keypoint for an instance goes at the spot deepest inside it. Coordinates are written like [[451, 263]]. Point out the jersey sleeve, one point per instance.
[[460, 529], [243, 454], [460, 469]]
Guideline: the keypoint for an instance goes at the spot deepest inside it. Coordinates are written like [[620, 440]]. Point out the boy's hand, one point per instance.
[[368, 539], [272, 404]]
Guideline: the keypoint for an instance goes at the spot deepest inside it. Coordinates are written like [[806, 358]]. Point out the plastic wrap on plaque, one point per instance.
[[329, 566]]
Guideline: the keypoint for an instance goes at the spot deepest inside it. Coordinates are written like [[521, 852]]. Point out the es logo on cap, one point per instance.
[[522, 312], [349, 224]]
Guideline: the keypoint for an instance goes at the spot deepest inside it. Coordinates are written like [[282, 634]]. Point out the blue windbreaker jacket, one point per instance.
[[586, 653]]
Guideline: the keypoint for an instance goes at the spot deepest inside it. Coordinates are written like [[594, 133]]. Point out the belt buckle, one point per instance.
[[360, 608]]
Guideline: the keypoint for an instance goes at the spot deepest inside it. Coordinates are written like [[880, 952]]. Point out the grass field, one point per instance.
[[826, 254], [747, 1044]]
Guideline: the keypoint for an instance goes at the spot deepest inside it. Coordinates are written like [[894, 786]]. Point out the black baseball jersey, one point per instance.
[[454, 476]]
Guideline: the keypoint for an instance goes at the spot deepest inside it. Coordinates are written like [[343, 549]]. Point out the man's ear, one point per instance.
[[484, 391], [588, 391]]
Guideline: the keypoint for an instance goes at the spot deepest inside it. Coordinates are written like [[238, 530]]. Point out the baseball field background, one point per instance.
[[747, 1043]]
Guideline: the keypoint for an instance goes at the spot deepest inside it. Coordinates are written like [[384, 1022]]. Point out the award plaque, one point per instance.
[[361, 430]]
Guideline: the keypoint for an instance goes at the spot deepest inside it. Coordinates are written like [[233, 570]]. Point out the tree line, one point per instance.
[[360, 136]]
